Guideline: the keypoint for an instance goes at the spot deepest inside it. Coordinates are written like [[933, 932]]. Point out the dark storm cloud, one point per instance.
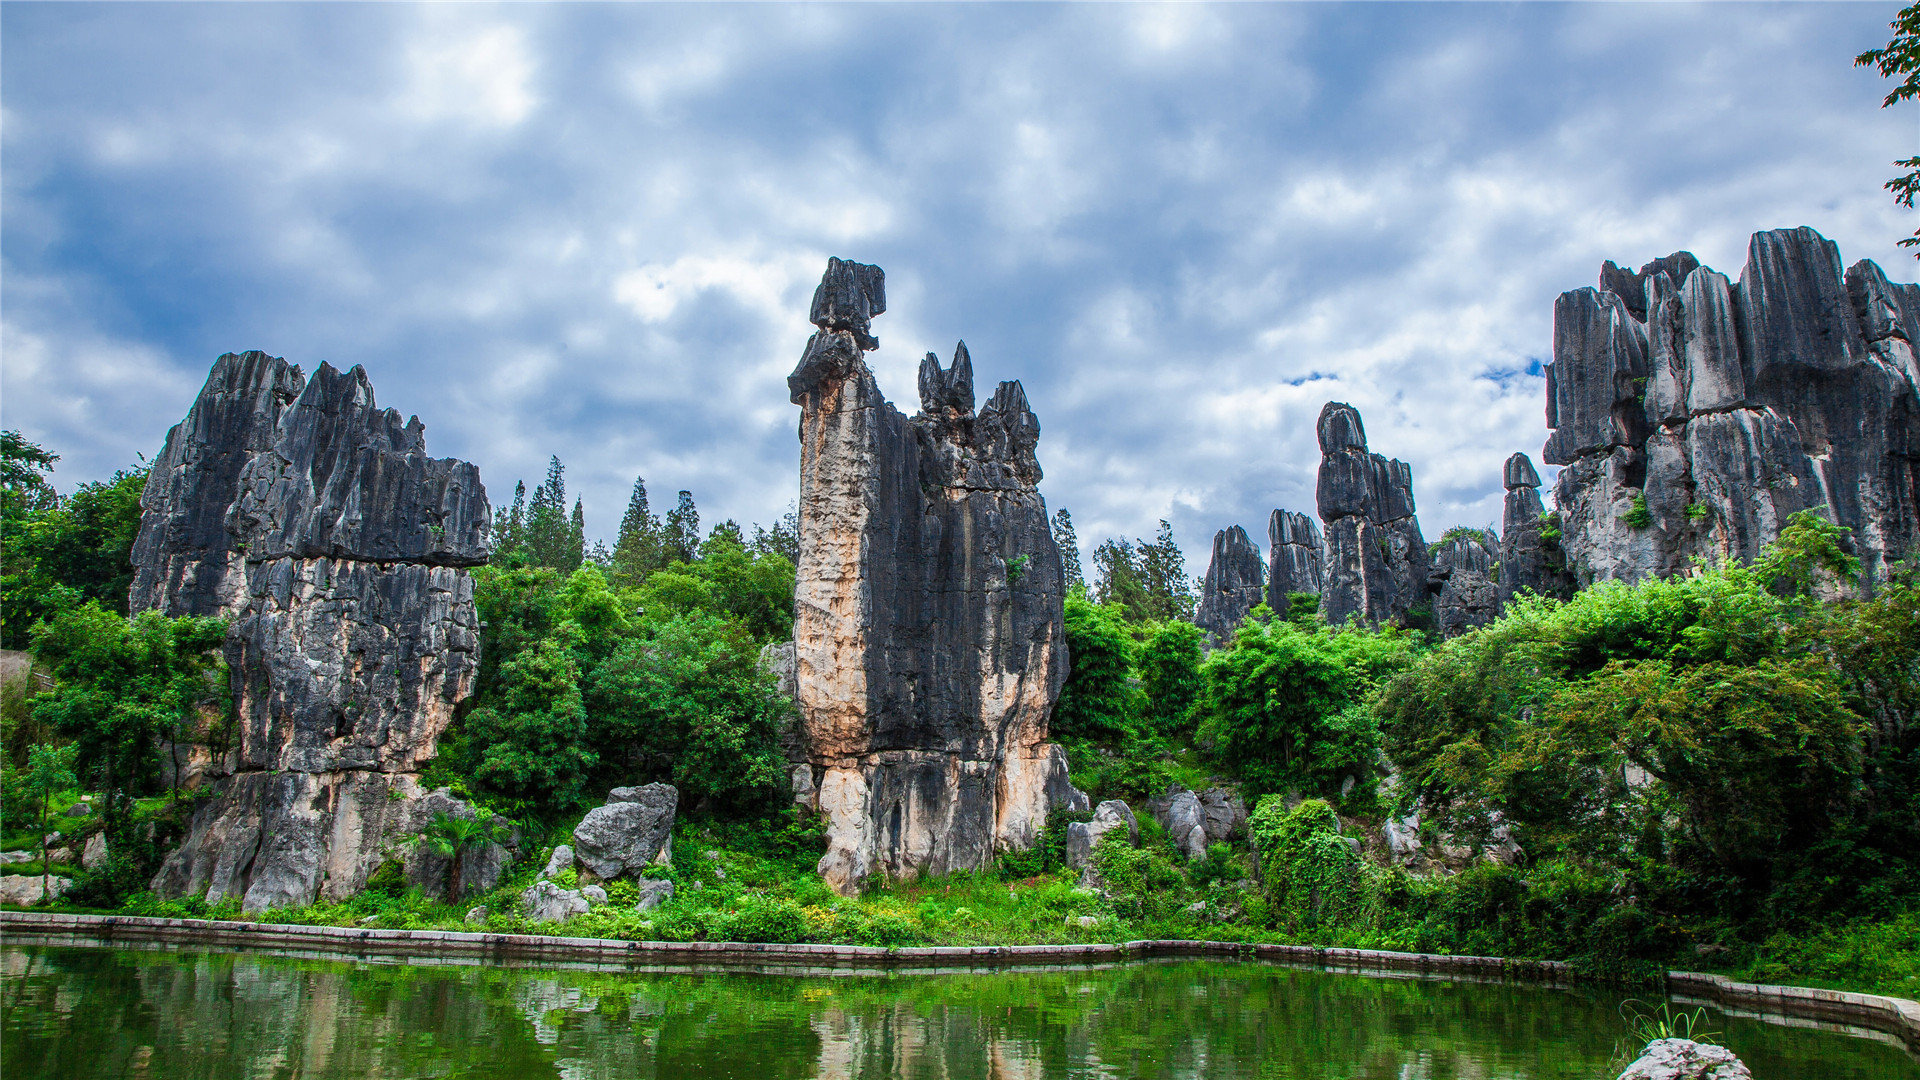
[[592, 231]]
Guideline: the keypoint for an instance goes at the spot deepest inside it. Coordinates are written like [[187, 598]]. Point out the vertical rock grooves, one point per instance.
[[1530, 558], [315, 522], [1375, 563], [1692, 415], [928, 630], [1235, 582]]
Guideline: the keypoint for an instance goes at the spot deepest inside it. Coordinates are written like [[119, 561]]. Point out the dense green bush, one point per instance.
[[1099, 700], [1170, 676]]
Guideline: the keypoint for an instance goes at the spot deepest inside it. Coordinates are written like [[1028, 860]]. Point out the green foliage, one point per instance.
[[1550, 526], [1639, 517], [1303, 610], [1170, 676], [122, 684], [1901, 57], [452, 837], [1141, 882], [49, 771], [531, 736], [1313, 875], [1698, 511], [60, 552], [1016, 569], [1068, 542], [1145, 581], [1098, 700]]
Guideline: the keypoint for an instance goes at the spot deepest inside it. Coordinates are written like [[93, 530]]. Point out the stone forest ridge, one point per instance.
[[1690, 414]]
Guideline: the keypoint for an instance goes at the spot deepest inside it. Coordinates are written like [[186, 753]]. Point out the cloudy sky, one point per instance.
[[592, 231]]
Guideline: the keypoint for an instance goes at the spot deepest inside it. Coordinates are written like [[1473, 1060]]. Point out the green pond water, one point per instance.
[[123, 1012]]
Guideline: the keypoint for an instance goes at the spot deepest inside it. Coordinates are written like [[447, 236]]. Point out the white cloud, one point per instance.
[[474, 76]]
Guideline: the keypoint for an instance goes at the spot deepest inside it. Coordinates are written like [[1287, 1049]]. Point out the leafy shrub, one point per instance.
[[1313, 875]]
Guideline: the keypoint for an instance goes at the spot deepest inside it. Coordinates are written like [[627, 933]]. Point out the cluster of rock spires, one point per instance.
[[316, 523], [1691, 416], [929, 635]]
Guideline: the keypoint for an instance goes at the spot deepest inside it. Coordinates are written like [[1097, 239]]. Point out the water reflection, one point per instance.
[[98, 1012]]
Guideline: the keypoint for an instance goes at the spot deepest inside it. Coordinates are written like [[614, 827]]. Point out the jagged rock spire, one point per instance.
[[1234, 584]]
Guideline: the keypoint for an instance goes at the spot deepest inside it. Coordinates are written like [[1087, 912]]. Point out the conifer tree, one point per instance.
[[1069, 545], [576, 551], [636, 552], [511, 526], [682, 539], [1163, 569], [783, 539], [547, 528]]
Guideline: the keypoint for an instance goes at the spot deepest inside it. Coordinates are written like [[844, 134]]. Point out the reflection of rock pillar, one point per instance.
[[929, 644]]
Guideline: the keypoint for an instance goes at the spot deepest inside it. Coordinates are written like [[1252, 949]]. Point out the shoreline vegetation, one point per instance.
[[1718, 771]]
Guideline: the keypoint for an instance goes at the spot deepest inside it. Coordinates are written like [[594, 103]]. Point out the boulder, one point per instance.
[[1224, 813], [593, 894], [1235, 582], [1402, 835], [543, 901], [1084, 836], [1180, 814], [1684, 1059], [17, 856], [929, 639], [653, 893], [79, 809], [337, 550], [559, 861], [477, 913], [95, 852], [25, 890], [628, 835]]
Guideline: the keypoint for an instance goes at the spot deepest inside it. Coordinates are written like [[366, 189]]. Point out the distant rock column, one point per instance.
[[929, 637], [1468, 598], [314, 522], [1235, 582], [1376, 564], [1530, 559], [1693, 415], [1293, 558]]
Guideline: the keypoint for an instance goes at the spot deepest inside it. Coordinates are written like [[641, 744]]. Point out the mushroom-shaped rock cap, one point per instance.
[[849, 296], [1340, 428], [1519, 473]]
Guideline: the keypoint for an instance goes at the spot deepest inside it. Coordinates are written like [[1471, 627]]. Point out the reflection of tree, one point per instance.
[[91, 1012]]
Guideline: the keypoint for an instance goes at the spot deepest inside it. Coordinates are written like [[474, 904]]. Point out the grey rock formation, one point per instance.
[[1375, 565], [594, 895], [1530, 555], [1684, 1059], [1693, 415], [1179, 812], [1294, 553], [315, 522], [1235, 583], [1463, 567], [560, 861], [543, 901], [1084, 836], [95, 851], [633, 831], [25, 890], [928, 632], [1225, 814], [653, 893]]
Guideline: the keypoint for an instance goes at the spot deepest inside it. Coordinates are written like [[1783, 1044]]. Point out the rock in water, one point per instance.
[[1294, 558], [633, 831], [1693, 415], [1376, 563], [928, 632], [1235, 583], [316, 524], [1684, 1059]]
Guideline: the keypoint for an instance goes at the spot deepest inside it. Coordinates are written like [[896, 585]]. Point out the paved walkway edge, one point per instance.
[[1895, 1016]]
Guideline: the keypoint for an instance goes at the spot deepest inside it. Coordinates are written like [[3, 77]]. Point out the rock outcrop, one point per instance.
[[1468, 598], [632, 831], [1235, 583], [1684, 1059], [1084, 836], [1530, 555], [929, 637], [1375, 561], [316, 524], [1293, 558], [1693, 415]]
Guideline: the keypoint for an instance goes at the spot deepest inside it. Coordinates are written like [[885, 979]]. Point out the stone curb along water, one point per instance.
[[1896, 1016]]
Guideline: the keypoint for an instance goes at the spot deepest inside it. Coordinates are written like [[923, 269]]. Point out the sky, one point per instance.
[[592, 231]]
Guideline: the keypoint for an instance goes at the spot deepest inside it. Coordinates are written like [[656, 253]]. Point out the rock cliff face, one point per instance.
[[1530, 555], [1375, 562], [929, 637], [1692, 415], [1468, 598], [1293, 558], [1236, 581], [315, 522]]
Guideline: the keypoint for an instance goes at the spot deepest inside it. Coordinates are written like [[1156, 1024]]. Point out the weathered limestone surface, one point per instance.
[[315, 522], [1725, 407], [1235, 583], [929, 641], [1084, 836], [1468, 597], [1293, 558], [632, 831], [1684, 1059], [1530, 559], [1375, 561]]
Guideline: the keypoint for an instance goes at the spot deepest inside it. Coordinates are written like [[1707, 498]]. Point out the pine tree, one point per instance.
[[576, 551], [682, 539], [636, 553], [510, 526], [1117, 579], [547, 528], [1069, 545], [782, 539], [1163, 569]]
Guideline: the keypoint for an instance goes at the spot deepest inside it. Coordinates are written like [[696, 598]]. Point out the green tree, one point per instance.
[[122, 684], [1163, 569], [1279, 708], [1170, 675], [1098, 700], [550, 537], [638, 550], [1118, 582], [49, 772], [60, 551], [782, 540], [530, 739], [510, 527], [681, 534], [687, 702], [576, 552], [452, 837], [1901, 57], [1069, 544]]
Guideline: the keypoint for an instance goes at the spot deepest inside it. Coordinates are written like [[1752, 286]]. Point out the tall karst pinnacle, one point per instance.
[[929, 640]]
